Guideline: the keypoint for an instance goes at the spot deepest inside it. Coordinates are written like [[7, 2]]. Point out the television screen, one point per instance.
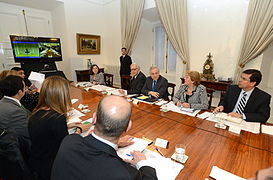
[[27, 48]]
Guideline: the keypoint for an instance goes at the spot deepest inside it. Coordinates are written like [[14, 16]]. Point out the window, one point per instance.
[[165, 55]]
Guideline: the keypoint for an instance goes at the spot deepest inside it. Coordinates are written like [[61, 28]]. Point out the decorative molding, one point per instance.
[[100, 2]]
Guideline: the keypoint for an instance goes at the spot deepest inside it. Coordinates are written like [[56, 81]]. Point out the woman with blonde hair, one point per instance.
[[47, 124], [192, 94], [6, 73]]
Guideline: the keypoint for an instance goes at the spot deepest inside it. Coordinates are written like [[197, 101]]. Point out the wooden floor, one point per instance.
[[206, 145]]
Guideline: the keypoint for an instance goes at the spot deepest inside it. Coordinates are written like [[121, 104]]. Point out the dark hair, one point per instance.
[[17, 69], [256, 75], [91, 69], [109, 126], [124, 48], [11, 85]]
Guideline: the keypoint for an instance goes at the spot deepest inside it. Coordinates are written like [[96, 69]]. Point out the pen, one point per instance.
[[159, 151], [129, 155]]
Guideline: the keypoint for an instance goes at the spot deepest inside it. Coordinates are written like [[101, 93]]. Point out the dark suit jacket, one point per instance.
[[88, 158], [257, 108], [161, 87], [137, 84], [125, 64]]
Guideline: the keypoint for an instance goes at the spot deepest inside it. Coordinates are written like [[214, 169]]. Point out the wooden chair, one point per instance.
[[83, 75], [172, 86], [210, 96], [108, 79], [126, 79]]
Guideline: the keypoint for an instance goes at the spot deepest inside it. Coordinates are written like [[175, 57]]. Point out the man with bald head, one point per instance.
[[95, 157], [137, 81]]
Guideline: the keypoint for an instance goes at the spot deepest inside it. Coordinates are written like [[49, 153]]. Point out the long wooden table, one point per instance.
[[206, 145]]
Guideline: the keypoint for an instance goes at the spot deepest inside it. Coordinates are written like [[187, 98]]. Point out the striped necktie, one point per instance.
[[242, 104]]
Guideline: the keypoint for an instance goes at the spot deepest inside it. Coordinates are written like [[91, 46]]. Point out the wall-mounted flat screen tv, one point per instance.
[[32, 49]]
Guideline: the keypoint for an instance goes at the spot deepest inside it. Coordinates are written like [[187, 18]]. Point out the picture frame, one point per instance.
[[88, 44]]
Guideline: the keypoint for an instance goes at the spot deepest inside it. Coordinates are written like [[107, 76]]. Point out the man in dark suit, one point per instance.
[[245, 100], [13, 115], [15, 144], [125, 63], [95, 156], [156, 85], [137, 82]]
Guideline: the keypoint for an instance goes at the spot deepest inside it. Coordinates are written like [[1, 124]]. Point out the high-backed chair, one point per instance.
[[108, 79], [126, 79], [210, 96], [172, 87]]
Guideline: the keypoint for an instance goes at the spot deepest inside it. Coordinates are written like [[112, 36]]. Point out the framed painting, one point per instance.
[[88, 44]]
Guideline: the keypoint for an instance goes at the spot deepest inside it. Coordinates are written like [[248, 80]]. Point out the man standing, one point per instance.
[[125, 63], [95, 156], [156, 85], [245, 100], [137, 82]]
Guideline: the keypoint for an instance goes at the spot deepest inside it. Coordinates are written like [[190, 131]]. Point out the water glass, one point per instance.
[[180, 151]]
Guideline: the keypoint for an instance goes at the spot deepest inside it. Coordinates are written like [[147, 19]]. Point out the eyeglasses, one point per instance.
[[133, 69]]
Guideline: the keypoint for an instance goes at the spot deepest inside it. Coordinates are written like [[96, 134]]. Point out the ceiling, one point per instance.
[[47, 5], [151, 14]]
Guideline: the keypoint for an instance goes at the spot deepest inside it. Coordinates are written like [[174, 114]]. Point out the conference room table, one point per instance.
[[206, 146]]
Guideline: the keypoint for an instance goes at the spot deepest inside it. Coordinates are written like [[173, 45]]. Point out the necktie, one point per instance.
[[154, 83], [242, 104]]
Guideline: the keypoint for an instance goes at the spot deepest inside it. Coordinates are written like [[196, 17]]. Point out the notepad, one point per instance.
[[143, 97], [139, 145]]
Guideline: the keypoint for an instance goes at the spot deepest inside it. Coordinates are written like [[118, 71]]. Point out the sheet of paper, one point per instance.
[[165, 168], [102, 88], [220, 174], [116, 92], [84, 84], [267, 129], [74, 100], [139, 145], [37, 79], [142, 97], [204, 115], [172, 107], [74, 116], [160, 103]]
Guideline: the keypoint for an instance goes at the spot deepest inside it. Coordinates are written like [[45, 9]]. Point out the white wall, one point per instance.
[[142, 52], [216, 27]]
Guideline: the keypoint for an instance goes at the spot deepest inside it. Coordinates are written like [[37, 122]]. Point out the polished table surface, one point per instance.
[[206, 145]]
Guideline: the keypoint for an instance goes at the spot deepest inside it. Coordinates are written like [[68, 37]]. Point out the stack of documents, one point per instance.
[[165, 168], [102, 88], [253, 127], [172, 107], [228, 118]]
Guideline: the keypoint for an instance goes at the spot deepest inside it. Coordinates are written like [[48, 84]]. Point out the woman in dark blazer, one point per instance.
[[192, 94], [48, 124], [96, 77]]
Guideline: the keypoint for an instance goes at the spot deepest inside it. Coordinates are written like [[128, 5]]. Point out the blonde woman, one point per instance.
[[192, 94], [47, 124], [6, 73]]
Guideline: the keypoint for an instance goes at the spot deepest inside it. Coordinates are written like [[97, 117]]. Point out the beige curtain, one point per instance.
[[173, 14], [130, 15], [258, 33]]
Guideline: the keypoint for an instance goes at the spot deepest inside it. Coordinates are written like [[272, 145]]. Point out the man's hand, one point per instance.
[[219, 109], [94, 82], [236, 115], [154, 94], [85, 127], [121, 91], [137, 156], [186, 105], [125, 141]]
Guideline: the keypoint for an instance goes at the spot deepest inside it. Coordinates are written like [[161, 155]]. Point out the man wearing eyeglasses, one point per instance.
[[245, 100], [137, 82]]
